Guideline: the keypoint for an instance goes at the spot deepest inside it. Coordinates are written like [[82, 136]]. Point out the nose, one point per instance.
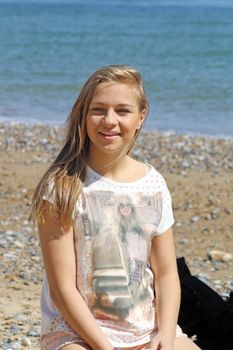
[[110, 117]]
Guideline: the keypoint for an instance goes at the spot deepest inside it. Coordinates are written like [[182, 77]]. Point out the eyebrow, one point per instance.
[[120, 104]]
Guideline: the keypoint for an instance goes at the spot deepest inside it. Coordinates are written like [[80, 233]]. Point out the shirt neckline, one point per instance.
[[98, 176]]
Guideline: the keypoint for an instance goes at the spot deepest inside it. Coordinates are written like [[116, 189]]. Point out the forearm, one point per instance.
[[77, 314], [167, 303]]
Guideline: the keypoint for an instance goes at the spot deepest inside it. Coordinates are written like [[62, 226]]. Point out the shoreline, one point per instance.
[[198, 172], [179, 152], [167, 132]]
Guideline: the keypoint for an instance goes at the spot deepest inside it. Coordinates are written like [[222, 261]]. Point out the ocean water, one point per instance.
[[184, 50]]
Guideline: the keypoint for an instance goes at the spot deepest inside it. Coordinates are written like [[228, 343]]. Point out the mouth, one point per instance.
[[109, 134]]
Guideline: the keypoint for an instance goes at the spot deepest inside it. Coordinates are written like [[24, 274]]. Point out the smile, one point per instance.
[[109, 133]]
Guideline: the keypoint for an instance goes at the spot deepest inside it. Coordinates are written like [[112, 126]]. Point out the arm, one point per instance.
[[167, 286], [59, 259]]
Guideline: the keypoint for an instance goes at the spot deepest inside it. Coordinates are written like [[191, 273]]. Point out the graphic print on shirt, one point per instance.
[[118, 234]]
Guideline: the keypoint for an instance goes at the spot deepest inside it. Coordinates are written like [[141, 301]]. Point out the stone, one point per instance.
[[11, 345], [26, 342], [19, 244], [207, 216], [183, 241], [33, 333], [195, 218], [218, 255], [14, 328]]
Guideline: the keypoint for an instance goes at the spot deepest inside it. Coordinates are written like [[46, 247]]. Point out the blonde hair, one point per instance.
[[67, 172]]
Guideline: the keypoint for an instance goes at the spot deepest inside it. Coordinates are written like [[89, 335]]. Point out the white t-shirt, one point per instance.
[[113, 228]]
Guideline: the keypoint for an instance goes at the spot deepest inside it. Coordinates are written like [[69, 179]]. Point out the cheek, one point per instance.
[[91, 125], [130, 125]]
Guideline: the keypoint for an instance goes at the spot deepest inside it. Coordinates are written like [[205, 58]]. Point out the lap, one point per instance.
[[64, 341], [181, 343], [184, 343], [75, 347]]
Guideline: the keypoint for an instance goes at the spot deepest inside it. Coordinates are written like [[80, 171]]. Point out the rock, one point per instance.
[[181, 155], [185, 164], [11, 345], [43, 142], [228, 211], [14, 329], [215, 213], [207, 216], [195, 218], [178, 224], [183, 241], [217, 282], [19, 244], [20, 317], [218, 255], [26, 342], [33, 333], [10, 255]]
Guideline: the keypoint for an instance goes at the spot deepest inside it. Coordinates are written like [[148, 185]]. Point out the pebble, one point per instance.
[[10, 346], [195, 218], [178, 224], [183, 241], [14, 328], [191, 152], [218, 265], [26, 342], [217, 282], [170, 152], [19, 244], [218, 255], [207, 216], [33, 333]]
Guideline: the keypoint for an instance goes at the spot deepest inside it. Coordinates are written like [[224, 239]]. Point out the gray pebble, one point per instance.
[[183, 241], [33, 333], [11, 346], [14, 328]]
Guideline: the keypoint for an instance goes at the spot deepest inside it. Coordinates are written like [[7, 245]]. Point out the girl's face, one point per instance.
[[113, 118], [125, 208]]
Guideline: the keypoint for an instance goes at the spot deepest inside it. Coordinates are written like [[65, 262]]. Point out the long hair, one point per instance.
[[130, 223], [67, 172]]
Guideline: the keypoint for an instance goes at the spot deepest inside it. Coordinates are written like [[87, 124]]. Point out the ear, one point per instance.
[[142, 117]]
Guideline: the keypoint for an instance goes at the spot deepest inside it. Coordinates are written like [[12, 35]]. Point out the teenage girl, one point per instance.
[[87, 299]]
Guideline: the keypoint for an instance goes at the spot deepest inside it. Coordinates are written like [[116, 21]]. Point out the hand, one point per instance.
[[161, 342]]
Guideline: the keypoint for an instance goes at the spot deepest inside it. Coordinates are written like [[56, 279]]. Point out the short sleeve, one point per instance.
[[49, 194], [167, 218]]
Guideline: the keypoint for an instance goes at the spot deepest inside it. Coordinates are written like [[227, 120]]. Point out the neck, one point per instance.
[[107, 164]]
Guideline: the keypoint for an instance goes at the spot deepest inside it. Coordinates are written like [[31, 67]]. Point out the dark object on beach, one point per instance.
[[204, 313]]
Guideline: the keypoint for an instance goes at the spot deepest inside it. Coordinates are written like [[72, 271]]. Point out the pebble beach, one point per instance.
[[198, 171]]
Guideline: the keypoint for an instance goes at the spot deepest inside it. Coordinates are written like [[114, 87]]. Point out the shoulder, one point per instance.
[[156, 175], [142, 168], [158, 182], [150, 176]]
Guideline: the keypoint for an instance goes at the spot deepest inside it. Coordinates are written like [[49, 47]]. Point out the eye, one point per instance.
[[123, 111], [97, 110]]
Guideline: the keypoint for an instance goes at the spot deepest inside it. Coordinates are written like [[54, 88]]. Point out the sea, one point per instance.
[[183, 49]]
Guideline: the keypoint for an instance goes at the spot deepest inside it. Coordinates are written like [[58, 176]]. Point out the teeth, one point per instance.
[[109, 134]]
